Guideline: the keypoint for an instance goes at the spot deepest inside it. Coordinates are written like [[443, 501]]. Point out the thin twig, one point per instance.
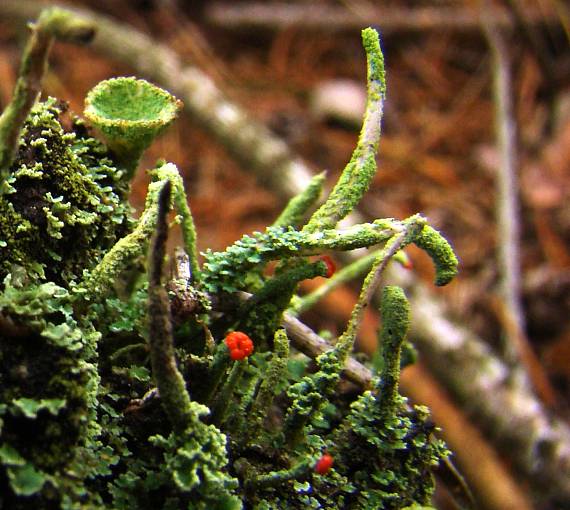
[[507, 181], [516, 348], [319, 16]]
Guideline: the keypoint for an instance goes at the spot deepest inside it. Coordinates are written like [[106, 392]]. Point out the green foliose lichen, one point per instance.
[[391, 455], [64, 202], [48, 384]]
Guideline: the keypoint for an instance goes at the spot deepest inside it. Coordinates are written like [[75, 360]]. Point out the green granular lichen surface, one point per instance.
[[64, 204], [121, 101]]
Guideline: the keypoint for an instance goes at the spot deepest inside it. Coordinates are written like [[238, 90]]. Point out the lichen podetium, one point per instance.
[[123, 388]]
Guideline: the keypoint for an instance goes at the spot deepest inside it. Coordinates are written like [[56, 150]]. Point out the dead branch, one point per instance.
[[315, 16], [516, 349], [490, 480], [537, 444], [507, 180], [308, 342]]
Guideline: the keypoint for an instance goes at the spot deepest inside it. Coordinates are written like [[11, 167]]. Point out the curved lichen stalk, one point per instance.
[[53, 23], [441, 253], [101, 279], [358, 173], [224, 270]]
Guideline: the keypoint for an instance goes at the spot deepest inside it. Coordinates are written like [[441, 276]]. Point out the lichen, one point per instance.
[[48, 387], [130, 113], [64, 203], [117, 389]]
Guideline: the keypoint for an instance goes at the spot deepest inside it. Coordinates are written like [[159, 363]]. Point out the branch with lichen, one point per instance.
[[298, 472], [395, 311], [192, 462], [195, 453], [261, 314], [311, 393], [224, 394], [187, 462], [169, 380], [341, 277], [224, 270], [261, 152]]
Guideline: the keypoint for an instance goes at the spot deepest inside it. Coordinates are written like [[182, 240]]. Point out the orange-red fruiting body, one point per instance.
[[237, 354], [239, 345], [324, 464], [235, 339], [331, 266], [247, 347]]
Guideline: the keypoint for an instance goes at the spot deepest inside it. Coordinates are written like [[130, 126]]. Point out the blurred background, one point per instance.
[[476, 136]]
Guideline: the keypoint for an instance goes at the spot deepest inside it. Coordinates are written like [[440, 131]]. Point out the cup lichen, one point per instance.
[[130, 113]]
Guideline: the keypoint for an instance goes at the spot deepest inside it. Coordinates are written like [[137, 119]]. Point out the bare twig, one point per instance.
[[507, 180], [516, 348], [319, 16], [308, 342]]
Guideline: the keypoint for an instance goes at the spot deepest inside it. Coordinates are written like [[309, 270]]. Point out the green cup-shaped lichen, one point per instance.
[[130, 113]]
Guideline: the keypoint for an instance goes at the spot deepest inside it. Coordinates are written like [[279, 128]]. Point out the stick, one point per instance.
[[277, 16]]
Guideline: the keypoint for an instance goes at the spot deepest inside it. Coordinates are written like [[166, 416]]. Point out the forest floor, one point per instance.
[[438, 155]]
